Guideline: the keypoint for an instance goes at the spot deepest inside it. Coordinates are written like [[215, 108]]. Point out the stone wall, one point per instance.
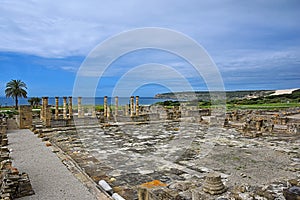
[[24, 120], [263, 121], [12, 183]]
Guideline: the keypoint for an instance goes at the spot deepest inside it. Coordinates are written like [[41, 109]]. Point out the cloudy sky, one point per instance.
[[254, 44]]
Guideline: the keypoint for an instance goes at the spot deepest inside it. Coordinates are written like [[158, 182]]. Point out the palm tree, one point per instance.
[[15, 89], [34, 101]]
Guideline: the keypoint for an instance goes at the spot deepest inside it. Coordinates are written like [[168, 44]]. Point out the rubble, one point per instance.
[[256, 153], [13, 184]]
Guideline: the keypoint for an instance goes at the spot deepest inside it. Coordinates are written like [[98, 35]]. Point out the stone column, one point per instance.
[[94, 112], [105, 106], [126, 109], [137, 108], [79, 107], [116, 105], [48, 115], [108, 112], [70, 108], [65, 108], [131, 106], [42, 109], [56, 107]]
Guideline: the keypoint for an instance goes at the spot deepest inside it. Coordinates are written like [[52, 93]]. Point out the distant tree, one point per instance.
[[34, 101], [15, 89]]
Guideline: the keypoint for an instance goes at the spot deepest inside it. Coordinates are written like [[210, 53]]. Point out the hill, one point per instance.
[[205, 95]]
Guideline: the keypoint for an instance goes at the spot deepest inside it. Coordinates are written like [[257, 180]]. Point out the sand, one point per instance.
[[287, 91]]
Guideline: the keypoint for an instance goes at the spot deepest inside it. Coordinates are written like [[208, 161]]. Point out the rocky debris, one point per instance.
[[103, 185], [264, 121], [12, 183], [253, 165], [15, 185], [293, 193], [48, 144]]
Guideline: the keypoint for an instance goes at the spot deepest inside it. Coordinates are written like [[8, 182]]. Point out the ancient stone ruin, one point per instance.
[[253, 154], [13, 184], [213, 184]]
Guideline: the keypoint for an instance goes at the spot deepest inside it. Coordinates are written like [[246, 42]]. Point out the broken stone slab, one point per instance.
[[105, 186], [153, 189], [4, 142], [292, 193], [116, 196], [15, 186]]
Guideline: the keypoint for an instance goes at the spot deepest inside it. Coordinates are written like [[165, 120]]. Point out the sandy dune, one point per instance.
[[287, 91]]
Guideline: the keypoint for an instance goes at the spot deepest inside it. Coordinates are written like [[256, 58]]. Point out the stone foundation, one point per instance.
[[13, 184]]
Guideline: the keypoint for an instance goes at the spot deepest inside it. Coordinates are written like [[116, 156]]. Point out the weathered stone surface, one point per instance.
[[137, 150], [213, 184], [292, 193], [13, 184], [24, 119]]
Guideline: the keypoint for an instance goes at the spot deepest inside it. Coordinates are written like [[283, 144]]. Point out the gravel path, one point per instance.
[[50, 179]]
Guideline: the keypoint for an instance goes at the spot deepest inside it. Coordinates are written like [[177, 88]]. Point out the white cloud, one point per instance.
[[62, 28], [69, 68], [258, 59]]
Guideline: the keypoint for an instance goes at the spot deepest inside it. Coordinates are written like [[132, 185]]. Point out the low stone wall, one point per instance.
[[13, 184], [261, 121]]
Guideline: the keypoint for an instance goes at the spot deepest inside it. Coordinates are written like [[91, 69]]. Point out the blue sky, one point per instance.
[[254, 44]]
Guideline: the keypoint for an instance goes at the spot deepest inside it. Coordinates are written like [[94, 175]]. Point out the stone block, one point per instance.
[[25, 117], [153, 190]]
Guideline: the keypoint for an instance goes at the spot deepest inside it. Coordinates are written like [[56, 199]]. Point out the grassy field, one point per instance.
[[229, 106], [268, 106]]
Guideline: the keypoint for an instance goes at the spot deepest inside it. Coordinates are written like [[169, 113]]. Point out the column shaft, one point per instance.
[[65, 108], [56, 107], [105, 106], [116, 106], [42, 109], [79, 107], [70, 108], [137, 108], [131, 106], [45, 108]]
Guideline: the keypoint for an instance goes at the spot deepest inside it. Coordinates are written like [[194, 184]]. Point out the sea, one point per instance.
[[85, 101]]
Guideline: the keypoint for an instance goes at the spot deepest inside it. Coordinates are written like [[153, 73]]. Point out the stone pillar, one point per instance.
[[258, 124], [94, 112], [126, 109], [105, 106], [79, 107], [131, 106], [70, 108], [116, 105], [108, 112], [42, 109], [56, 107], [137, 108], [65, 108], [25, 117], [48, 115]]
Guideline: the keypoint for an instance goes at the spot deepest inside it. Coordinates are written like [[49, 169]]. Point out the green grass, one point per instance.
[[6, 108], [263, 106]]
